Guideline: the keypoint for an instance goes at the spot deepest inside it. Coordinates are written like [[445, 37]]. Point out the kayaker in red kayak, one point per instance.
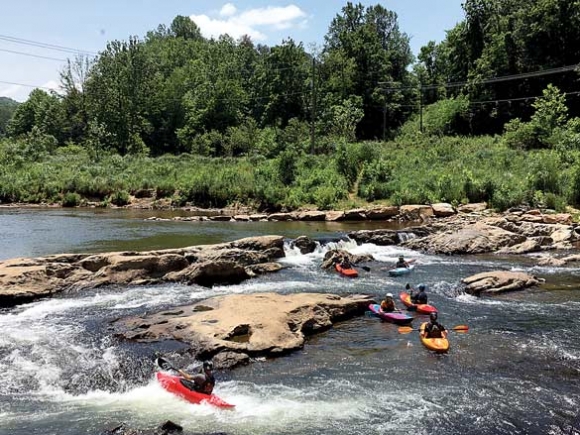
[[345, 263], [203, 382], [421, 297], [434, 329], [388, 304]]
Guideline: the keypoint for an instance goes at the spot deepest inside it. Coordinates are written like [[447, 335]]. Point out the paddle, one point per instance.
[[408, 329], [366, 268], [166, 365]]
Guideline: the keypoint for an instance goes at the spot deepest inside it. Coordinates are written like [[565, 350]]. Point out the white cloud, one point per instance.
[[247, 22], [11, 91], [53, 85], [228, 10]]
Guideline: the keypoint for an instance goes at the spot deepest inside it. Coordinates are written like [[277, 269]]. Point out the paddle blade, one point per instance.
[[461, 328], [366, 268], [405, 329], [164, 364]]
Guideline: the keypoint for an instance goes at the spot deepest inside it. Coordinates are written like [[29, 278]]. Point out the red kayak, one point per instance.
[[351, 273], [174, 385], [420, 308]]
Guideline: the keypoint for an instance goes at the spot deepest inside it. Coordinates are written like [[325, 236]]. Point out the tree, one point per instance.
[[118, 95], [42, 111], [369, 41], [73, 79], [7, 108]]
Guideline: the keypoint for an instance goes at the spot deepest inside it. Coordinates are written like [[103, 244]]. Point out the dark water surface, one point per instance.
[[517, 370]]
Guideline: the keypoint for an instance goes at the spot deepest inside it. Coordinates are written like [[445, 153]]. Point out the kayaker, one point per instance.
[[388, 304], [345, 263], [401, 263], [434, 329], [204, 381], [421, 297]]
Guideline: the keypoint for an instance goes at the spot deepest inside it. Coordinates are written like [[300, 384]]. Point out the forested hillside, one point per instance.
[[292, 118]]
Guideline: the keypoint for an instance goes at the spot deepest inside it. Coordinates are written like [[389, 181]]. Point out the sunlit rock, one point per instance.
[[491, 283], [251, 325]]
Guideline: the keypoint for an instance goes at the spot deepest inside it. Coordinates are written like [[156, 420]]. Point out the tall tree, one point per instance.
[[380, 55], [118, 96]]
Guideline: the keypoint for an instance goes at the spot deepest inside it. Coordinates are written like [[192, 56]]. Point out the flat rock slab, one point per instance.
[[263, 324], [491, 283], [26, 279]]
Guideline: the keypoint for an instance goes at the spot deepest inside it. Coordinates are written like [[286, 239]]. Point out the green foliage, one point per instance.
[[343, 118], [550, 116], [287, 167], [7, 109], [447, 117], [120, 198], [71, 199]]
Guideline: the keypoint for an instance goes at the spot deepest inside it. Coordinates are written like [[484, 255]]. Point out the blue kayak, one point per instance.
[[399, 271]]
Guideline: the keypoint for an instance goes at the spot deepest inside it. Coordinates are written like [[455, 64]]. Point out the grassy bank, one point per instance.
[[410, 170]]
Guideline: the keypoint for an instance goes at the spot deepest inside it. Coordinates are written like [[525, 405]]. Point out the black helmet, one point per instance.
[[401, 258], [433, 316], [421, 287], [207, 365]]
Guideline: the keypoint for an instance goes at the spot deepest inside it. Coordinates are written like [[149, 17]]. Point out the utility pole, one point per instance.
[[421, 108], [313, 104], [385, 120]]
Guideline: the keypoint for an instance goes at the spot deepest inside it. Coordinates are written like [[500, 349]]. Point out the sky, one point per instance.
[[87, 25]]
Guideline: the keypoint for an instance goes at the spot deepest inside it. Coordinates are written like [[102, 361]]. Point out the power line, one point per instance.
[[45, 45], [490, 80], [31, 55], [566, 94], [25, 85]]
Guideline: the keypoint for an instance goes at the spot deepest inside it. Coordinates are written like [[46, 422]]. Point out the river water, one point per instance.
[[517, 370]]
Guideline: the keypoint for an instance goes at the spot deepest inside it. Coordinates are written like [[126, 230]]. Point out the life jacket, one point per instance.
[[434, 330], [420, 298], [388, 305]]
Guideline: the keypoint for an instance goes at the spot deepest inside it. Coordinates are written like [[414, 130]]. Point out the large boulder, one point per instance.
[[23, 280], [250, 325], [472, 239], [492, 283]]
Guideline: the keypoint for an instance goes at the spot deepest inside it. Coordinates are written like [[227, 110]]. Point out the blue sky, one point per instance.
[[88, 25]]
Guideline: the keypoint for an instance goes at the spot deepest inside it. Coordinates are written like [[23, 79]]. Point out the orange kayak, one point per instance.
[[439, 345], [351, 273], [420, 308]]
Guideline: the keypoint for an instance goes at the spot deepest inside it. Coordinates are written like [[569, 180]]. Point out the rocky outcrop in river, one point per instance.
[[477, 233], [496, 282], [232, 329], [23, 280]]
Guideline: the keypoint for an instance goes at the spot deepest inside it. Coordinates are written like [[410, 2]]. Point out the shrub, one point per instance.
[[120, 198], [71, 199]]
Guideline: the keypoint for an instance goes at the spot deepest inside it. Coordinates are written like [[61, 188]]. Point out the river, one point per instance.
[[517, 370]]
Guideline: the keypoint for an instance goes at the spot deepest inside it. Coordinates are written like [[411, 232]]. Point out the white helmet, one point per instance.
[[389, 295]]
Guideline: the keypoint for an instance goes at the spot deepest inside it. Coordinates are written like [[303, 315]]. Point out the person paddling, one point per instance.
[[434, 329], [401, 263], [204, 381], [421, 297], [388, 304]]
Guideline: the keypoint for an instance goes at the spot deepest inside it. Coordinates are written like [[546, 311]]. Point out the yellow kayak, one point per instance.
[[439, 345]]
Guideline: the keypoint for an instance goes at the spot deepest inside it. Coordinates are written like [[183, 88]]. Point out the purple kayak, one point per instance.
[[394, 317]]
